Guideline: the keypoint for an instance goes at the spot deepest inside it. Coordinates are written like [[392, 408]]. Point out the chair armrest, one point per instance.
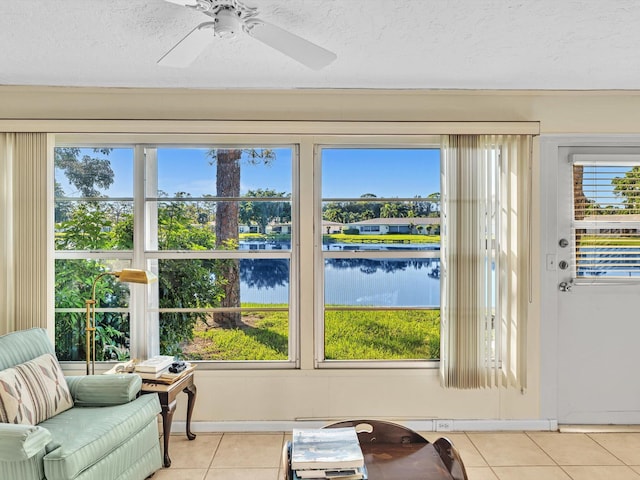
[[21, 442], [103, 390]]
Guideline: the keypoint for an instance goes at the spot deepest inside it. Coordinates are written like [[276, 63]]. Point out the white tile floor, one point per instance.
[[487, 456]]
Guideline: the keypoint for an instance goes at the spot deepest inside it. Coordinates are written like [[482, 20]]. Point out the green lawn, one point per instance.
[[350, 335]]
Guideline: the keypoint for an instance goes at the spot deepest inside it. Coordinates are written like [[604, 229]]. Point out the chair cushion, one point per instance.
[[33, 391], [83, 436]]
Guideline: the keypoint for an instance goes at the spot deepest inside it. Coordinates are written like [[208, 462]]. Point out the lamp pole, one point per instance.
[[128, 275]]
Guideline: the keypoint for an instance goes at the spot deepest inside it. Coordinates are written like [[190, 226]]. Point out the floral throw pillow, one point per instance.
[[33, 391]]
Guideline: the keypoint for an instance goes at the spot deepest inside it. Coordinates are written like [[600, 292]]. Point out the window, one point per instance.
[[380, 296], [236, 241], [217, 225], [90, 237], [606, 215]]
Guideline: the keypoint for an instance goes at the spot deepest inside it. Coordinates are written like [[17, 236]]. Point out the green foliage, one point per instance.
[[185, 284], [74, 279], [628, 187], [90, 225], [350, 212], [86, 229]]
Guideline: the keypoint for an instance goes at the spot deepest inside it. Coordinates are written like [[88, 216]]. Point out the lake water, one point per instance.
[[353, 282]]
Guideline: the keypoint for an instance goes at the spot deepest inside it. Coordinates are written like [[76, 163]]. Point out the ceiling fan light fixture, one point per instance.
[[227, 23]]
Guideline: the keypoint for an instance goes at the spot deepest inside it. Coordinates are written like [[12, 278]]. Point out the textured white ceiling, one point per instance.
[[430, 44]]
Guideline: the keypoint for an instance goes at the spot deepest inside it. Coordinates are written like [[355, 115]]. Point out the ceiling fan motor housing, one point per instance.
[[227, 23]]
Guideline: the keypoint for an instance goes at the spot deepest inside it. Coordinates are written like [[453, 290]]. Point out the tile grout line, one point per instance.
[[543, 450], [607, 450]]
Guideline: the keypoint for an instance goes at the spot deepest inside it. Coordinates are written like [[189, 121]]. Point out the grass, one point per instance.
[[350, 335], [382, 335]]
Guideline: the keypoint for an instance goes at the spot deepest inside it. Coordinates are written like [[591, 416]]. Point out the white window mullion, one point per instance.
[[142, 333]]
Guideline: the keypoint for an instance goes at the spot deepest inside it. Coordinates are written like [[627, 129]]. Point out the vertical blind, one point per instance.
[[485, 260], [7, 310], [606, 216], [23, 201]]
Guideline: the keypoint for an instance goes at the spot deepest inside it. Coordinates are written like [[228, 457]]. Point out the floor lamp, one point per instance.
[[127, 275]]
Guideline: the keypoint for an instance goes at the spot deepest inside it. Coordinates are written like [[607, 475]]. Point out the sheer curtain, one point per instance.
[[24, 265], [485, 260]]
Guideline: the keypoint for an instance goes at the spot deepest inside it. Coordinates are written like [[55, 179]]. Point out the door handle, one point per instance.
[[565, 286]]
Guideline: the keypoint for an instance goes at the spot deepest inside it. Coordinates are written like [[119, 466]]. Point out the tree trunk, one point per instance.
[[228, 185], [579, 199]]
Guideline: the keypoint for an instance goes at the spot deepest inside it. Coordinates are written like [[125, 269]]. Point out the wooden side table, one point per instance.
[[167, 395]]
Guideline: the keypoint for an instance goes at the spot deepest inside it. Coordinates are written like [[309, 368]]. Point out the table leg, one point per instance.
[[191, 392], [167, 418]]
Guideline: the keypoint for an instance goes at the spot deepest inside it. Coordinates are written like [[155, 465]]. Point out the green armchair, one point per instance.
[[106, 431]]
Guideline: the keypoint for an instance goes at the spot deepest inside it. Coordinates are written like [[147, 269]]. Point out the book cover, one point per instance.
[[155, 364], [325, 448], [359, 473]]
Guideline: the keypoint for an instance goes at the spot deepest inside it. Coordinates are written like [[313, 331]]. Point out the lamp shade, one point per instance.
[[133, 275]]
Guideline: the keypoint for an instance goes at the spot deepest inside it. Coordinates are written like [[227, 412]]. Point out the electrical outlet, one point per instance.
[[444, 425]]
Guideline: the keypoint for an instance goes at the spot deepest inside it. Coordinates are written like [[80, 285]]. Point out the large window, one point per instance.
[[268, 249], [217, 225], [381, 268]]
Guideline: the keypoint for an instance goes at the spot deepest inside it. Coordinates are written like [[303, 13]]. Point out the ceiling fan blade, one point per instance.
[[190, 47], [184, 3], [301, 50]]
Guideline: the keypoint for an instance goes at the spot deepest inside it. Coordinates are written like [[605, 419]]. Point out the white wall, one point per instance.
[[240, 395]]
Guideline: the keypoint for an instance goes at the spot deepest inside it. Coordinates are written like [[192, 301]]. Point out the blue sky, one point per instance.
[[346, 172]]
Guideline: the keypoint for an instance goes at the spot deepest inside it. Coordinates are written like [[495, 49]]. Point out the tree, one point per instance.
[[227, 163], [434, 206], [85, 173], [264, 212], [628, 187]]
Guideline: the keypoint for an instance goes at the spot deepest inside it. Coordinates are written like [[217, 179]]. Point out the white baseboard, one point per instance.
[[430, 425]]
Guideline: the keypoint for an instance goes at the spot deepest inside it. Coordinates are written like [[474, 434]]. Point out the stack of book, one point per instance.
[[153, 368], [321, 453]]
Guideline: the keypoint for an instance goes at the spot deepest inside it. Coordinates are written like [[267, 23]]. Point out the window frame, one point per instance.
[[614, 156], [305, 134], [355, 142], [144, 340]]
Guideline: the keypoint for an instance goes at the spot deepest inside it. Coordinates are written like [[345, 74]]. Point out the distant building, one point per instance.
[[253, 228], [383, 226]]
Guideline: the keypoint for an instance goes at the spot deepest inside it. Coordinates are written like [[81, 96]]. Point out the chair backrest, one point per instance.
[[23, 345]]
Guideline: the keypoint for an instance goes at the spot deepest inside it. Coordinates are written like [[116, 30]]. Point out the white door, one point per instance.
[[590, 331]]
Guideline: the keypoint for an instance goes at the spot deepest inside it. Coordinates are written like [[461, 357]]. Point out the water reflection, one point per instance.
[[353, 281]]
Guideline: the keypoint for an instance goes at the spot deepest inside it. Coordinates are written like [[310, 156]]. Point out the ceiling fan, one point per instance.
[[227, 18]]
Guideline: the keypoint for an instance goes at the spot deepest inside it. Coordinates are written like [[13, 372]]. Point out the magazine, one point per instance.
[[326, 448]]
